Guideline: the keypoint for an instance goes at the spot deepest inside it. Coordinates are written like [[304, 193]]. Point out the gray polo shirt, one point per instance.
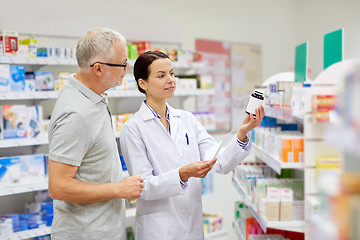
[[81, 134]]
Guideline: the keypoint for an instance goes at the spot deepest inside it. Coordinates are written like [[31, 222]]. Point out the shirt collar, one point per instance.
[[148, 113], [87, 92]]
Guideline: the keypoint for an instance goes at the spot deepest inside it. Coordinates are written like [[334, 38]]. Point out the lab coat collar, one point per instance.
[[147, 114]]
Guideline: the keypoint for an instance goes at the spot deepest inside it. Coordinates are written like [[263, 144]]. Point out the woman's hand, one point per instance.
[[197, 169], [250, 122]]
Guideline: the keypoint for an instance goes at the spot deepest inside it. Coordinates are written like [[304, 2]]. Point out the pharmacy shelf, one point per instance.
[[73, 62], [216, 234], [46, 230], [111, 94], [28, 95], [274, 163], [238, 233], [22, 142], [295, 226], [284, 114], [22, 188], [27, 234], [37, 60]]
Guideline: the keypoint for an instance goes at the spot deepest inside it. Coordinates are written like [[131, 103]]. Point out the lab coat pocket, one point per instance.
[[189, 146], [152, 226]]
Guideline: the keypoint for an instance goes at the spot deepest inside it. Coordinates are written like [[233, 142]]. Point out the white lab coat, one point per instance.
[[166, 210]]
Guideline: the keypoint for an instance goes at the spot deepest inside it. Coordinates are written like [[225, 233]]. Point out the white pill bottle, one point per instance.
[[256, 100]]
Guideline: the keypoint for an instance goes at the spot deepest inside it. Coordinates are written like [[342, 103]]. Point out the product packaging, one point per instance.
[[17, 78], [33, 168], [44, 80], [9, 170], [286, 204], [272, 204], [9, 42], [4, 77], [34, 118], [14, 121], [256, 100]]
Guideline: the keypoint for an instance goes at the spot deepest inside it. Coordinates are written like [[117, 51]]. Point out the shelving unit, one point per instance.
[[274, 163], [296, 226], [238, 233]]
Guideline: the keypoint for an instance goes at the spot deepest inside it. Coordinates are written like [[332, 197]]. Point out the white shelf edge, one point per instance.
[[238, 233], [28, 95], [296, 226], [274, 163], [216, 234], [20, 142], [36, 232], [22, 188], [37, 60]]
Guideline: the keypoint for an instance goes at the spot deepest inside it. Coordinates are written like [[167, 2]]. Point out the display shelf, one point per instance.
[[28, 95], [295, 226], [21, 142], [216, 234], [72, 62], [274, 163], [46, 230], [111, 94], [37, 60], [238, 233], [27, 234], [22, 188]]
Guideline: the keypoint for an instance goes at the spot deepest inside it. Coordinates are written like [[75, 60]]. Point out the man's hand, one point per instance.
[[131, 187]]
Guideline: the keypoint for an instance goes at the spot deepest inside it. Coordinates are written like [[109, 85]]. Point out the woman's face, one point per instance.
[[161, 81]]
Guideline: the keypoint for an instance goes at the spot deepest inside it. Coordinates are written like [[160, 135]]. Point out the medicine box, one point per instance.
[[272, 204], [34, 118], [14, 121], [17, 78], [286, 204], [9, 42], [9, 170], [33, 168], [4, 77], [44, 80]]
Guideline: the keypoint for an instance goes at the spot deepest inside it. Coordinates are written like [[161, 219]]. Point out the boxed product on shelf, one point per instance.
[[17, 78], [4, 77], [142, 47], [29, 81], [212, 222], [31, 43], [44, 80], [61, 80], [9, 42], [132, 51], [14, 121], [186, 83], [9, 170], [207, 119], [34, 117], [272, 204], [286, 204], [33, 168], [206, 81]]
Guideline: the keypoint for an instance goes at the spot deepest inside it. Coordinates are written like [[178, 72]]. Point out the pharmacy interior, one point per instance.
[[302, 58]]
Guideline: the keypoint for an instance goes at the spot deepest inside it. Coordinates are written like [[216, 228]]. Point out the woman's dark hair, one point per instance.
[[142, 63]]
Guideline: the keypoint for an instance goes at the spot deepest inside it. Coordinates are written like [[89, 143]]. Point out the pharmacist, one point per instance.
[[167, 146]]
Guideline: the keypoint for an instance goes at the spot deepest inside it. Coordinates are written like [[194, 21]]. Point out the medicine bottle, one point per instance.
[[256, 100]]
